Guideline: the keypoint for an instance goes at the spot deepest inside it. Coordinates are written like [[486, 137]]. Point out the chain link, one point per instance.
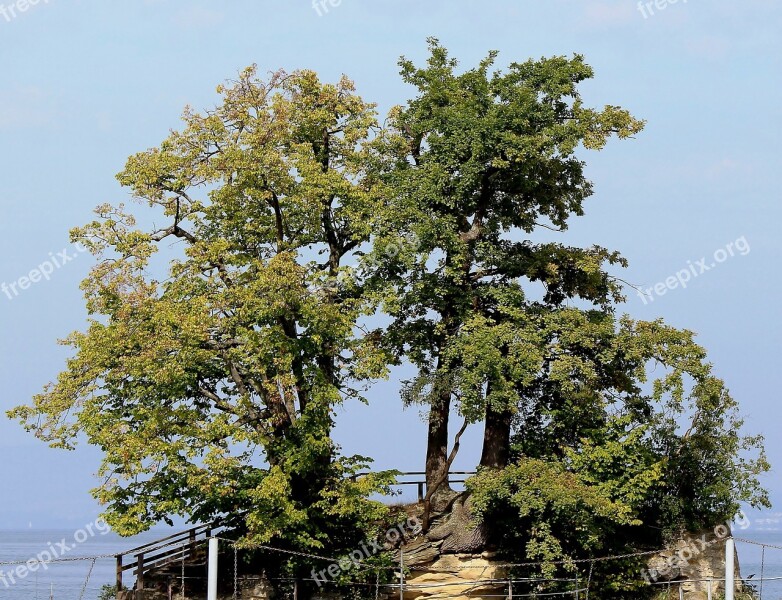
[[589, 580], [544, 563], [7, 563], [236, 572], [466, 567], [182, 586], [86, 581], [742, 540]]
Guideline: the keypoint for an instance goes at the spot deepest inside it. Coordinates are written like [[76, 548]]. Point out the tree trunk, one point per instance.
[[496, 438], [437, 442]]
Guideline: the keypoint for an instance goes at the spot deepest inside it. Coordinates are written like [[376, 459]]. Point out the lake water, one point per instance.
[[750, 557], [67, 579]]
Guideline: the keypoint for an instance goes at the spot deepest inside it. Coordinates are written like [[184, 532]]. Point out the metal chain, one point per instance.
[[589, 580], [551, 562], [86, 581], [236, 572], [749, 542], [8, 563], [459, 567], [182, 586]]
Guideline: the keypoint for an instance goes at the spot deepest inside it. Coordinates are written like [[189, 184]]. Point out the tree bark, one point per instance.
[[434, 488], [496, 438], [437, 442]]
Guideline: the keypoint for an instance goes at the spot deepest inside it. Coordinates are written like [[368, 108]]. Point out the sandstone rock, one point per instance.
[[457, 577], [697, 561]]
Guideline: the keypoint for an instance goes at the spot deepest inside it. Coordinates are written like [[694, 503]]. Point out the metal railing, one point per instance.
[[161, 553], [181, 547], [422, 483]]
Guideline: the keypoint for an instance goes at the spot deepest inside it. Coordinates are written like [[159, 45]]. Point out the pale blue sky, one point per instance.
[[85, 83]]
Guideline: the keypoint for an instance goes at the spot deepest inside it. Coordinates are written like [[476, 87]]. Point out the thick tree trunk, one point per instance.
[[437, 442], [496, 438]]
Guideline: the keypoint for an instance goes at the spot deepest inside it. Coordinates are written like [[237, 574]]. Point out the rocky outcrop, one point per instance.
[[696, 563], [457, 531], [449, 562], [457, 576]]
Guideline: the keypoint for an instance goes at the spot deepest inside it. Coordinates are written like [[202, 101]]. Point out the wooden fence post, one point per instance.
[[140, 572]]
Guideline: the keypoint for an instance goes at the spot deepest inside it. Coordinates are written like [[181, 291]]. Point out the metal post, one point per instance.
[[401, 574], [510, 589], [681, 592], [708, 591], [211, 588], [730, 553]]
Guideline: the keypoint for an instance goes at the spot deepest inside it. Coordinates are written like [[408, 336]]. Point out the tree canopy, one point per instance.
[[210, 385], [212, 391]]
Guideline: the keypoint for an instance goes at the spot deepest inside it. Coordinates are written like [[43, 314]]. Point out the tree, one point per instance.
[[479, 157], [211, 390], [523, 336]]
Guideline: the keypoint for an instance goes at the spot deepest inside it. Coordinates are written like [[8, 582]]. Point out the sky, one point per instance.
[[86, 83]]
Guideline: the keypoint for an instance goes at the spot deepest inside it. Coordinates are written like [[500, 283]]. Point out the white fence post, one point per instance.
[[211, 593], [730, 584]]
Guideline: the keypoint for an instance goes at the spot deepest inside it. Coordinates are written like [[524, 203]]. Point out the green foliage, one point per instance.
[[618, 451], [475, 162], [211, 371], [211, 391], [545, 511], [107, 592]]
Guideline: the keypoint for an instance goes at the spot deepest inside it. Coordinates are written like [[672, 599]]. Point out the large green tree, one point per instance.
[[522, 335], [482, 159], [211, 389]]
